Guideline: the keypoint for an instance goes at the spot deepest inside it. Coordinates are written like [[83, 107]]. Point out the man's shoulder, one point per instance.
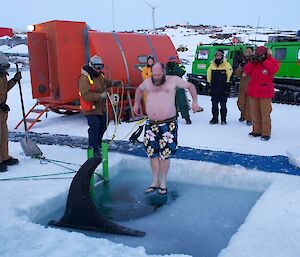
[[147, 81], [173, 80]]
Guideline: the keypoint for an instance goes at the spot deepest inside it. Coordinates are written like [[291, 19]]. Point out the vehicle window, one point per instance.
[[226, 52], [202, 54], [280, 53], [142, 59], [299, 54]]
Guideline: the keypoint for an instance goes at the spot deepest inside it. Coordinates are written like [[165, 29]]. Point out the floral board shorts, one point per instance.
[[160, 138]]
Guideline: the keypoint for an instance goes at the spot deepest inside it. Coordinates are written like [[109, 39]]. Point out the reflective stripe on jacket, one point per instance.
[[87, 105], [86, 93]]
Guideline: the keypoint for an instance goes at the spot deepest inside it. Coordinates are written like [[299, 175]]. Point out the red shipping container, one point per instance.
[[58, 50], [6, 32]]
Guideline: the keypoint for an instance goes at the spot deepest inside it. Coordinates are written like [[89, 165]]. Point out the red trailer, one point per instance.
[[6, 32], [58, 50]]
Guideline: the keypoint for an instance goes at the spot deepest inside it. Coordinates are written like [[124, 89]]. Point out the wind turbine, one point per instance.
[[113, 14], [153, 12]]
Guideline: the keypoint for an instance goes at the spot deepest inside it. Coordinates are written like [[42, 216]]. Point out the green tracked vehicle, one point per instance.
[[287, 80], [286, 49]]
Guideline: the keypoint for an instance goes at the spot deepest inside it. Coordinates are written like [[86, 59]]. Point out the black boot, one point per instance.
[[252, 134], [3, 167], [11, 161], [188, 120], [265, 138], [213, 121]]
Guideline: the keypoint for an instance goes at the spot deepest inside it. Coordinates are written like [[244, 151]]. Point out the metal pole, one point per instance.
[[105, 159], [153, 18]]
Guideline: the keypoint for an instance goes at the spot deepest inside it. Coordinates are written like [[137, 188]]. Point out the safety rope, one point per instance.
[[44, 160], [117, 117]]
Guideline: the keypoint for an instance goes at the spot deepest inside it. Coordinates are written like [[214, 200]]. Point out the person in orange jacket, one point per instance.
[[92, 91], [261, 70]]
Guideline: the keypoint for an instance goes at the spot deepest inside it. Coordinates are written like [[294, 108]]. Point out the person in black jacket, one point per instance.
[[218, 77]]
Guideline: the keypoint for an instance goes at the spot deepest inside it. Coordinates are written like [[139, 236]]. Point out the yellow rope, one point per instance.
[[118, 118]]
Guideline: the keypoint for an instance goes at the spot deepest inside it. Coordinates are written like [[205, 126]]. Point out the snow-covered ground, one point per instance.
[[21, 49], [272, 227]]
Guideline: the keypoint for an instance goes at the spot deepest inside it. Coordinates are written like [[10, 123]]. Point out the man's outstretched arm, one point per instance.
[[138, 97], [192, 89]]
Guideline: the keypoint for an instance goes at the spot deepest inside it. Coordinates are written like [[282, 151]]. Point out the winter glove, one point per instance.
[[208, 88], [227, 88], [18, 76], [4, 107], [253, 59], [261, 58], [117, 83], [243, 64], [103, 95]]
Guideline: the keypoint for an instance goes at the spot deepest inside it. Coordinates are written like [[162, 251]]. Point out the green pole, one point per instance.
[[90, 154], [105, 159]]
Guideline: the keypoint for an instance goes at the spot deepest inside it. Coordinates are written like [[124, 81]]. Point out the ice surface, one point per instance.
[[199, 222]]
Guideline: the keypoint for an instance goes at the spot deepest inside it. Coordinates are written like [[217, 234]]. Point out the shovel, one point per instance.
[[29, 148]]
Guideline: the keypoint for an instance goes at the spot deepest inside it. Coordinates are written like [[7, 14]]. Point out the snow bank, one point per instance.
[[294, 156], [19, 49]]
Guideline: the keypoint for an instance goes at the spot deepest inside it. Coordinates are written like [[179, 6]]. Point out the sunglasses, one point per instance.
[[99, 66]]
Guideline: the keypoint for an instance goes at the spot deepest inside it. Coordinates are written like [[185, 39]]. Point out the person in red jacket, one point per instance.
[[261, 70]]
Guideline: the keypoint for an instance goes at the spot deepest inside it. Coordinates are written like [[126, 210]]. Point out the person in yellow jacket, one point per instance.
[[147, 73], [92, 91], [218, 78], [147, 70], [5, 86]]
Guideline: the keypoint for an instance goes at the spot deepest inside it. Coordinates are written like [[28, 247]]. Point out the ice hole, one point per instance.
[[207, 204]]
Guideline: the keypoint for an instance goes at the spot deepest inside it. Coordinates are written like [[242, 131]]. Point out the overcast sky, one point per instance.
[[135, 14]]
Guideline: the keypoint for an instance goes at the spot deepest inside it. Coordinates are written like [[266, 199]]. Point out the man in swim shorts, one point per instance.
[[160, 138]]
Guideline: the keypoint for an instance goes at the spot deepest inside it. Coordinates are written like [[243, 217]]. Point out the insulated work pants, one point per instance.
[[97, 128], [4, 137], [243, 103], [215, 100], [182, 103], [261, 109]]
